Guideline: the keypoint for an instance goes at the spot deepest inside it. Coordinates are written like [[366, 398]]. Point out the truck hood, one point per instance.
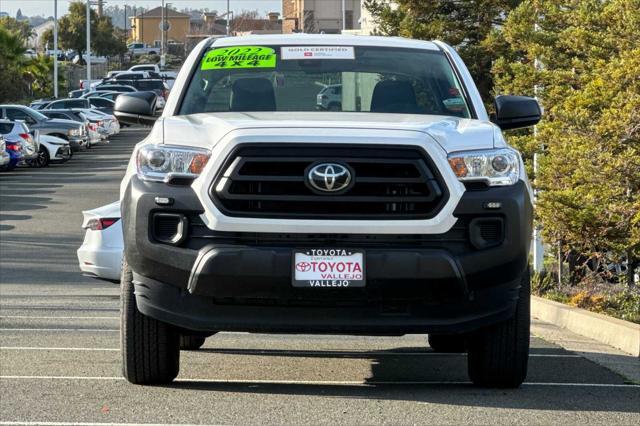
[[206, 129]]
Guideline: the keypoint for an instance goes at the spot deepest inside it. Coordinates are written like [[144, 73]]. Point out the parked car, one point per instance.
[[132, 75], [77, 93], [51, 53], [108, 95], [330, 98], [90, 125], [408, 214], [112, 74], [145, 67], [115, 88], [94, 59], [101, 104], [4, 155], [51, 150], [138, 49], [106, 124], [156, 85], [19, 143], [69, 130], [41, 103], [100, 255]]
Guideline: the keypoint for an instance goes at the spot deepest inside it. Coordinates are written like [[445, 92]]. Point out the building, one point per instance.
[[146, 27], [319, 16], [36, 38]]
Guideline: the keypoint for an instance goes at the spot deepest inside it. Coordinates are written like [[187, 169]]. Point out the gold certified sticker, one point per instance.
[[239, 57]]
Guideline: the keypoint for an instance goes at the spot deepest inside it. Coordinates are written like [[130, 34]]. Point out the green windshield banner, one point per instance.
[[239, 57]]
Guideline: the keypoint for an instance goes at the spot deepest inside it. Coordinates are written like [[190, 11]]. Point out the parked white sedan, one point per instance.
[[100, 255]]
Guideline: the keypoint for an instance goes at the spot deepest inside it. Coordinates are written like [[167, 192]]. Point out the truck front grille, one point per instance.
[[271, 181]]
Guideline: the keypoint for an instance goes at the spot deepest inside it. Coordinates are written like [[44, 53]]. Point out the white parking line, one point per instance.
[[316, 382], [283, 352], [61, 329], [37, 317], [88, 424], [25, 348]]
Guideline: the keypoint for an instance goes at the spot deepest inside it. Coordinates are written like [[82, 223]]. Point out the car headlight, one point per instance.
[[159, 162], [75, 132], [495, 167]]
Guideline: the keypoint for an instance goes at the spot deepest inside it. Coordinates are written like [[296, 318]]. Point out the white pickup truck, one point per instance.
[[138, 49], [400, 210]]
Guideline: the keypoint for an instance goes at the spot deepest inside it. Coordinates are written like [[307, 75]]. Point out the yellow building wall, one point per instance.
[[149, 31]]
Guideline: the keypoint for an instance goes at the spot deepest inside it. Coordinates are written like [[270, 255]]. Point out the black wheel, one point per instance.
[[191, 343], [499, 354], [150, 348], [43, 158], [448, 343]]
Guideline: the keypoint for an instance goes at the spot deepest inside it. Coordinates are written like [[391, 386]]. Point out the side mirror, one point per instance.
[[514, 112], [136, 108]]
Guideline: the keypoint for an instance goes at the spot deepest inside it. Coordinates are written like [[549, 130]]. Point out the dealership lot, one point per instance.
[[59, 356]]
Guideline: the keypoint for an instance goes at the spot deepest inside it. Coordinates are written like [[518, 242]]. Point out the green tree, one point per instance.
[[11, 57], [20, 28], [22, 76], [467, 25], [72, 30], [583, 56]]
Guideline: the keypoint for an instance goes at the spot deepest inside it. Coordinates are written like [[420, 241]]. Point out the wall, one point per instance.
[[150, 29]]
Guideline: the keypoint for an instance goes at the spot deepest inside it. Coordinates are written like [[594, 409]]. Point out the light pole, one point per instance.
[[162, 26], [55, 48], [344, 15], [88, 61], [228, 18]]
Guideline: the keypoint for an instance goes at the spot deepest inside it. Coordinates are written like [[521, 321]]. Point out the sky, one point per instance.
[[45, 7]]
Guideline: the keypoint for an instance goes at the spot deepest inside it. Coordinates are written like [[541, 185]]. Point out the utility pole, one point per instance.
[[538, 245], [55, 49], [88, 61], [344, 15], [228, 12], [126, 36]]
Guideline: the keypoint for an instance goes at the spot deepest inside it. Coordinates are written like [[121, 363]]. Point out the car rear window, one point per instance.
[[6, 128]]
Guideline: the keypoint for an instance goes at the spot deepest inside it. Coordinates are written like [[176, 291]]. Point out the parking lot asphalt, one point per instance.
[[60, 361]]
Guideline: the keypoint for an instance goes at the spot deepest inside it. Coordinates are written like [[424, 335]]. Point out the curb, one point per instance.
[[614, 332]]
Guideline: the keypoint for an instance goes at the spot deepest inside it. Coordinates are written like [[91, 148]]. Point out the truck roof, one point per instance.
[[325, 39]]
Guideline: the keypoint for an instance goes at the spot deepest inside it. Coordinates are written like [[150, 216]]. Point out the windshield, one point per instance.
[[37, 115], [325, 78]]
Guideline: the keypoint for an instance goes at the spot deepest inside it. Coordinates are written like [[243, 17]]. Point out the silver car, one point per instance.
[[4, 155], [69, 130]]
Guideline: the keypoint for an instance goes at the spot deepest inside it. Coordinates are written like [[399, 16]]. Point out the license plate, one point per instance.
[[328, 268]]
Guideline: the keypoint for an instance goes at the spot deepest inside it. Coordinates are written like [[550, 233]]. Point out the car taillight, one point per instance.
[[82, 84], [102, 223], [93, 126], [13, 147], [26, 137]]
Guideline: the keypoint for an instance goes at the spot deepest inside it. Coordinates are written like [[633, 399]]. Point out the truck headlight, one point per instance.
[[159, 162], [495, 167], [75, 132]]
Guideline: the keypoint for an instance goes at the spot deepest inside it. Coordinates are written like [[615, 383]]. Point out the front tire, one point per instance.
[[43, 158], [499, 354], [150, 348]]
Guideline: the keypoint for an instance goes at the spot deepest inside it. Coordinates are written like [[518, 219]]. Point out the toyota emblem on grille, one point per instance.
[[329, 177]]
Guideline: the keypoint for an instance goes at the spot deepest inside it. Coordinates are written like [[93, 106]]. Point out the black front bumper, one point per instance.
[[214, 281]]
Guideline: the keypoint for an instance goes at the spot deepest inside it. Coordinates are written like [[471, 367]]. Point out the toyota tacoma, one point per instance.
[[403, 210]]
